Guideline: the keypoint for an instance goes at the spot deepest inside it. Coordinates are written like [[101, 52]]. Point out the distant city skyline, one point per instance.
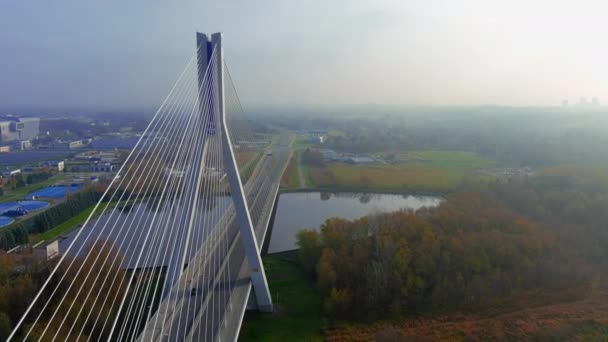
[[593, 101], [114, 55]]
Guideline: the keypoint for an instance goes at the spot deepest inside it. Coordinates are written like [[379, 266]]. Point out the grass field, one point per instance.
[[433, 171], [291, 179], [297, 315], [447, 159], [306, 172], [301, 143]]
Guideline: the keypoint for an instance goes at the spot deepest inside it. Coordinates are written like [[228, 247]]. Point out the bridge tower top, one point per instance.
[[211, 51]]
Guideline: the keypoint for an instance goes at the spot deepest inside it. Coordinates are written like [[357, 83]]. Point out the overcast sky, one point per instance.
[[127, 53]]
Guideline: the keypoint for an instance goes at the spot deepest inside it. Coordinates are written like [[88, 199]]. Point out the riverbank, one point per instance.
[[359, 190]]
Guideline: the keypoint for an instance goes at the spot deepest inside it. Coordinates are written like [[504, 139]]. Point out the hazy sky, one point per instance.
[[127, 53]]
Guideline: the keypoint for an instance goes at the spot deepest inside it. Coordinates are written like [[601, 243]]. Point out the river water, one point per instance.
[[309, 210]]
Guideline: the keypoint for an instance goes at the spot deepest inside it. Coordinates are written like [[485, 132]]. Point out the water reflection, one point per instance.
[[309, 210], [364, 199]]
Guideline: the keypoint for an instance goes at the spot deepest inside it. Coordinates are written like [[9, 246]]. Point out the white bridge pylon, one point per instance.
[[164, 251], [243, 216]]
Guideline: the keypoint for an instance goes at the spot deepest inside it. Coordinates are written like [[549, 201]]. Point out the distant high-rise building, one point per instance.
[[14, 128], [595, 102], [565, 103], [583, 101]]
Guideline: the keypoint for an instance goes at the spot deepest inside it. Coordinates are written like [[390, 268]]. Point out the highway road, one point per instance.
[[203, 303]]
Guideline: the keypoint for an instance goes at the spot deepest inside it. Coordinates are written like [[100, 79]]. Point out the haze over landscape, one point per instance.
[[348, 170], [118, 55]]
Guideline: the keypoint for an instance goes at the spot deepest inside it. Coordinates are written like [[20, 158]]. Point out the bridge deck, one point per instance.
[[220, 313]]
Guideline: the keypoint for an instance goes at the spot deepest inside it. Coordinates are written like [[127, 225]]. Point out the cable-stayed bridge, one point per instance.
[[172, 250]]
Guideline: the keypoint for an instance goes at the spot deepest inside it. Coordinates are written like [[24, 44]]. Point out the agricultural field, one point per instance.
[[424, 171]]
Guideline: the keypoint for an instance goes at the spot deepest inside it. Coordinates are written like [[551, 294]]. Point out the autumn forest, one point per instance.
[[489, 245]]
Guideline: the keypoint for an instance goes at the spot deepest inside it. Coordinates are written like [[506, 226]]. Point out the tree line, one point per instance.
[[484, 244], [38, 177], [18, 181], [519, 136]]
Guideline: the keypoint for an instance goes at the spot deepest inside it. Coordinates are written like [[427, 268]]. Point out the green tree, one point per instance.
[[309, 249], [339, 302]]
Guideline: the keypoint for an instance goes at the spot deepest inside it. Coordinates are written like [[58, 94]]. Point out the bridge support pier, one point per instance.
[[252, 251]]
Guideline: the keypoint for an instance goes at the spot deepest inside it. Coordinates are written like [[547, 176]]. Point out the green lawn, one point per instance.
[[70, 224], [274, 139], [447, 159], [306, 172], [301, 143], [294, 178], [298, 145], [297, 315], [305, 167], [19, 194]]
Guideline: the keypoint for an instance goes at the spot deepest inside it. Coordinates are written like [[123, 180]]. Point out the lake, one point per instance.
[[310, 209]]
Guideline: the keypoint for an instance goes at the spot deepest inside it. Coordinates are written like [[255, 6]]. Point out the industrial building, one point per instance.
[[14, 128]]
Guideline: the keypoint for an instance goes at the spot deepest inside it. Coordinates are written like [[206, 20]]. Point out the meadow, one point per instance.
[[420, 171], [291, 177], [297, 315]]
